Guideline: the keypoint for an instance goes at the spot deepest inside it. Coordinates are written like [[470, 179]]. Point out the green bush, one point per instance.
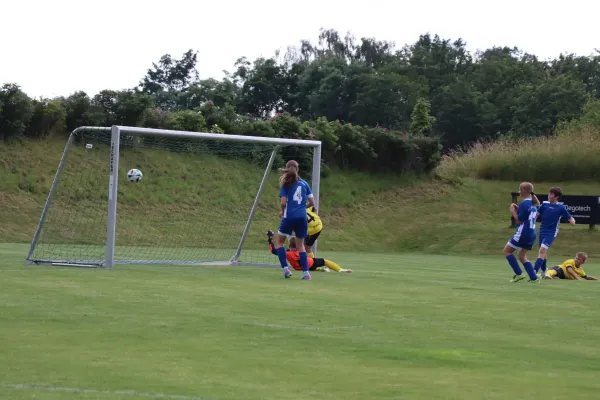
[[187, 120]]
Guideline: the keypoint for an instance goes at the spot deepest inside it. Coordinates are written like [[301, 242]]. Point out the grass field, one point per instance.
[[404, 326], [428, 314]]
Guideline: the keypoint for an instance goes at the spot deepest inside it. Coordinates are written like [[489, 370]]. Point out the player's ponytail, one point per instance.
[[289, 174], [527, 187]]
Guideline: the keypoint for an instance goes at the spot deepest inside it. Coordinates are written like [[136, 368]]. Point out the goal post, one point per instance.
[[204, 199]]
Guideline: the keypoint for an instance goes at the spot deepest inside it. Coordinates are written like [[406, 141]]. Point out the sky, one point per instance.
[[54, 48]]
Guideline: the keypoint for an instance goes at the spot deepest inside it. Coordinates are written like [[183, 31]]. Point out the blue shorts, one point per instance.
[[526, 244], [546, 239], [297, 225]]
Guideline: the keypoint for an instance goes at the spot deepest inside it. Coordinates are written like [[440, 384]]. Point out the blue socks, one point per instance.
[[282, 257], [512, 260], [530, 270], [304, 261], [541, 264], [538, 265]]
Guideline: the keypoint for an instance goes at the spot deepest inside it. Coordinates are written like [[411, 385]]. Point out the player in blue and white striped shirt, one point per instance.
[[551, 212], [524, 238]]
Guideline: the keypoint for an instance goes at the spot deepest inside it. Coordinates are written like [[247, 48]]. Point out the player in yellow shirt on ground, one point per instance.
[[570, 269], [315, 226]]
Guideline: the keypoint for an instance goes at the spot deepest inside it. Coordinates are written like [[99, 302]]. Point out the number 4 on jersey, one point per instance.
[[298, 194]]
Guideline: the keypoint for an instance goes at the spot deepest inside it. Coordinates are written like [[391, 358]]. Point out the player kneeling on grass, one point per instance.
[[314, 264], [570, 269]]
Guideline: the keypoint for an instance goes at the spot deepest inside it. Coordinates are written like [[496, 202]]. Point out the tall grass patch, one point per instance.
[[571, 155]]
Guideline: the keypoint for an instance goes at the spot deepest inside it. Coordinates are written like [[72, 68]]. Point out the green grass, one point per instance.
[[406, 326], [570, 156], [428, 314], [190, 202], [183, 200]]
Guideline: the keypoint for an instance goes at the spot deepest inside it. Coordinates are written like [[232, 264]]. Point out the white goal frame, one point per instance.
[[113, 184]]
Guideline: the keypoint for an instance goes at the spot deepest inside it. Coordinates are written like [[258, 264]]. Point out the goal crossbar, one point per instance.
[[115, 133]]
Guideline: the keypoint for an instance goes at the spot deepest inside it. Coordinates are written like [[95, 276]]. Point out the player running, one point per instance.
[[294, 193], [524, 238], [551, 212], [314, 264], [570, 269], [315, 226]]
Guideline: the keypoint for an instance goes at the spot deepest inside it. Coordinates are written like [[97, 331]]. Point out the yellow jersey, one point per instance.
[[571, 263], [314, 222]]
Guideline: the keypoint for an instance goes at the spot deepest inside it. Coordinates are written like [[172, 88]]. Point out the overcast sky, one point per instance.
[[55, 47]]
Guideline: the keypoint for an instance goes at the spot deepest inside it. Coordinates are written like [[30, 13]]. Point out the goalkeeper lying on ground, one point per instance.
[[314, 264], [570, 269]]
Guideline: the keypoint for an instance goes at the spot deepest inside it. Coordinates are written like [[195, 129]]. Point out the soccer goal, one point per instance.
[[204, 199]]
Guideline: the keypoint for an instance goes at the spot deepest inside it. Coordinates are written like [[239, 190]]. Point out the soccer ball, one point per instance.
[[134, 175]]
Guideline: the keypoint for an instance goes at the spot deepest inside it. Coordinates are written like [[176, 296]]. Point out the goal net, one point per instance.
[[204, 199]]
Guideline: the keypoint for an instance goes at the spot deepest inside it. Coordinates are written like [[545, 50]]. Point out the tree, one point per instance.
[[48, 116], [264, 88], [586, 69], [171, 74], [79, 111], [170, 77], [220, 93], [538, 108], [16, 110], [421, 119], [463, 114]]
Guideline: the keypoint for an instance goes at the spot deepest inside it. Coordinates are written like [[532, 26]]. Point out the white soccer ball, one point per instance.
[[134, 175]]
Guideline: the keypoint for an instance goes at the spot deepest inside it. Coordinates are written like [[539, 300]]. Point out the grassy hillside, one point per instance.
[[188, 201], [571, 155]]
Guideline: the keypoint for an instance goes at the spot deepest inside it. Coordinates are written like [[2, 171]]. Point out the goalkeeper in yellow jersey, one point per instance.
[[314, 264], [570, 269], [315, 226]]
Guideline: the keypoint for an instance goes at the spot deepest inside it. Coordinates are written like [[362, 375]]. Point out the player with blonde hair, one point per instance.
[[523, 240], [570, 269]]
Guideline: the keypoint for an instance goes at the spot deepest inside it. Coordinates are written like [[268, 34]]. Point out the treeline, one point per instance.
[[375, 106], [344, 144]]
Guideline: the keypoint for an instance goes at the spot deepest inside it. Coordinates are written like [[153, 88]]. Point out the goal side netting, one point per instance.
[[204, 198]]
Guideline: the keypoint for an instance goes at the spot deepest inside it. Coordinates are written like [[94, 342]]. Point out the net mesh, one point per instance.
[[191, 206]]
